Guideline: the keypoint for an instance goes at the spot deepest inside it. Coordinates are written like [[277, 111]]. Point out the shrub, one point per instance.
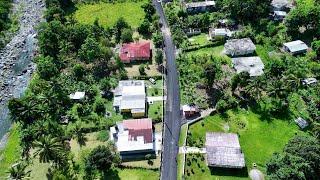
[[103, 135]]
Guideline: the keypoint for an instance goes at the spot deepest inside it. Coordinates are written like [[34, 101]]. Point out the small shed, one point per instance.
[[219, 33], [77, 95], [192, 31], [239, 47], [190, 110], [309, 81], [223, 150], [301, 123], [295, 47], [279, 15], [253, 65], [280, 5]]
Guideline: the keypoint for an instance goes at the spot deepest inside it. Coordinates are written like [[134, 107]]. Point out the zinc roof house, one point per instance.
[[133, 136], [295, 47], [239, 47], [77, 95], [135, 51], [279, 15], [301, 123], [202, 6], [279, 5], [130, 96], [219, 33], [253, 65], [223, 150], [309, 81]]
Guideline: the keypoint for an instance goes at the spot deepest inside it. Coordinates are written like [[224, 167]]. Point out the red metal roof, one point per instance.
[[135, 51], [139, 127]]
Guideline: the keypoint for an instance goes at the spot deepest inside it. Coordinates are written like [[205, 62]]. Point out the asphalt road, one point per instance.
[[172, 120]]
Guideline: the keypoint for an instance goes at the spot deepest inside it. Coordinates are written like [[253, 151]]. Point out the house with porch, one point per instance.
[[134, 138], [198, 7], [130, 97], [135, 51]]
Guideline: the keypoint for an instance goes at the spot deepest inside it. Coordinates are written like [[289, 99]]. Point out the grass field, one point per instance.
[[10, 153], [133, 174], [259, 136], [200, 39], [183, 134], [211, 50], [109, 13]]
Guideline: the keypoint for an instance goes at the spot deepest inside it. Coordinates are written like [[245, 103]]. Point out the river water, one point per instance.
[[16, 66]]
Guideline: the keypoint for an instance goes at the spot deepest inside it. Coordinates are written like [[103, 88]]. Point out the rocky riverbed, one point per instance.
[[16, 66]]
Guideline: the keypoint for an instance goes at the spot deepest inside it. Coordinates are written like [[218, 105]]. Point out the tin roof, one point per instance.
[[223, 150]]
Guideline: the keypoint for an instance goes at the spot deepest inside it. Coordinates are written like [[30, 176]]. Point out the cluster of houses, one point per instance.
[[133, 137]]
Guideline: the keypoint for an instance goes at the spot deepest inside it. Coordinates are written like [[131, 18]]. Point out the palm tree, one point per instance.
[[18, 171], [255, 87], [48, 149], [79, 135]]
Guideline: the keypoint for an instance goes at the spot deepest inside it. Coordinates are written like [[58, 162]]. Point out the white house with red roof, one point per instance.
[[135, 51], [134, 137]]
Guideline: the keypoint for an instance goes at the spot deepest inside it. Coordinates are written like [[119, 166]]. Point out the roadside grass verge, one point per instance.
[[180, 166], [11, 153], [259, 137], [155, 111], [109, 13], [183, 134]]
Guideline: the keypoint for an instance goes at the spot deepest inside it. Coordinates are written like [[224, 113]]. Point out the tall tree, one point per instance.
[[300, 160], [49, 149], [102, 158], [19, 171]]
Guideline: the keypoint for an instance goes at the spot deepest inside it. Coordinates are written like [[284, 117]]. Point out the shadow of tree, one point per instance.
[[229, 172], [111, 174]]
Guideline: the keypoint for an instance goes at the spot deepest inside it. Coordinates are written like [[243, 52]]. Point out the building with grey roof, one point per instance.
[[309, 81], [239, 47], [130, 96], [301, 123], [295, 47], [223, 150], [253, 65], [279, 15], [219, 33], [280, 5], [202, 6]]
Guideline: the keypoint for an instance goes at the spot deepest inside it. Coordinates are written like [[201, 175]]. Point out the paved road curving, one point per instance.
[[172, 121]]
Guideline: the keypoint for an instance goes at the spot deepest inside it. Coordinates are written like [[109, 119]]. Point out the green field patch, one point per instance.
[[109, 13], [259, 137]]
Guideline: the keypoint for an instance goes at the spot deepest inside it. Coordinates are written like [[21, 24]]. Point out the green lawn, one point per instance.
[[183, 134], [109, 13], [259, 136], [200, 39], [133, 174], [154, 89], [180, 167], [155, 111], [196, 168], [210, 50], [11, 153]]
